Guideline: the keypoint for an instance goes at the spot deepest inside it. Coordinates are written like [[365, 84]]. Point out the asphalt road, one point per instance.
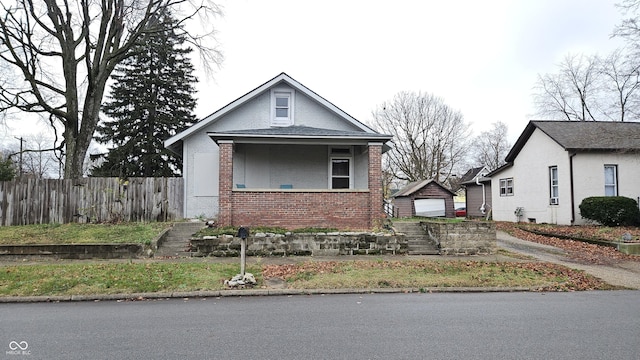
[[580, 325]]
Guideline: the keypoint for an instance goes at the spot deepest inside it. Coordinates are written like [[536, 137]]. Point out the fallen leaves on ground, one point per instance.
[[577, 250], [574, 280]]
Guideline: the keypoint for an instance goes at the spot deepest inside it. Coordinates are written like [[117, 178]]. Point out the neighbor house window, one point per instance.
[[282, 108], [553, 185], [611, 180], [506, 187], [340, 168]]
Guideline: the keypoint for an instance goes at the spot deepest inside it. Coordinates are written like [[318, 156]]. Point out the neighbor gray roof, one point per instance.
[[583, 136]]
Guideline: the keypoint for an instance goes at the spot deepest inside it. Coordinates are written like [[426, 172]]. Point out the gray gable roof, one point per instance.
[[301, 131], [583, 136], [470, 174], [174, 143]]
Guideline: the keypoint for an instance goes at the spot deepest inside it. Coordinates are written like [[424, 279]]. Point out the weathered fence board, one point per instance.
[[43, 201]]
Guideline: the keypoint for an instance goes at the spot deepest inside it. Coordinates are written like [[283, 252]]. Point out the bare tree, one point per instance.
[[65, 52], [430, 138], [591, 88], [573, 92], [621, 81], [491, 147], [38, 160], [629, 28]]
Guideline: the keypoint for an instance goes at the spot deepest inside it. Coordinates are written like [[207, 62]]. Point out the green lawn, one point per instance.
[[111, 278], [139, 233]]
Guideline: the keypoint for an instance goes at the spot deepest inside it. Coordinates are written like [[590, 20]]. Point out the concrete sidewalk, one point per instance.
[[625, 274]]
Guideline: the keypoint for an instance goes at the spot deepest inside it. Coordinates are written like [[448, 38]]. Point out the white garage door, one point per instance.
[[429, 207]]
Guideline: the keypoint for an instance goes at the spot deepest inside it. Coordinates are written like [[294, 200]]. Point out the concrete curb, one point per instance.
[[254, 292]]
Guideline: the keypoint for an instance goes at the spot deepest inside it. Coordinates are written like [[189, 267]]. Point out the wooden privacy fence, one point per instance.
[[46, 201]]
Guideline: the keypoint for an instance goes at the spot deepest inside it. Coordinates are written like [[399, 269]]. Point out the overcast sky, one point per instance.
[[481, 57]]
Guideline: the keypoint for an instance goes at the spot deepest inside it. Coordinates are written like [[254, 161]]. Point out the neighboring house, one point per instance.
[[424, 198], [281, 155], [478, 192], [554, 165]]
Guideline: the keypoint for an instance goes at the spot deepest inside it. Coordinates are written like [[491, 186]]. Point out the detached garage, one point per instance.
[[424, 198]]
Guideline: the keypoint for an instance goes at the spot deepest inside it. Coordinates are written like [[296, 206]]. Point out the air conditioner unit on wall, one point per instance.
[[553, 201]]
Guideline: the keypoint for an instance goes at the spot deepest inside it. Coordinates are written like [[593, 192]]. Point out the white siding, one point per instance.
[[530, 173], [588, 170]]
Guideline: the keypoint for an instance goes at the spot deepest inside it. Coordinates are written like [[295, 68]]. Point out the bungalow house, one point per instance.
[[424, 198], [477, 192], [554, 165], [281, 155]]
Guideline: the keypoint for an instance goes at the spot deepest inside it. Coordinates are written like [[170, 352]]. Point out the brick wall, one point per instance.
[[225, 183], [376, 197], [300, 209]]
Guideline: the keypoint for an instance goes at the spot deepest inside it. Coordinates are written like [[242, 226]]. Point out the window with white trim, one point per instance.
[[553, 185], [282, 107], [340, 168], [506, 187], [611, 180]]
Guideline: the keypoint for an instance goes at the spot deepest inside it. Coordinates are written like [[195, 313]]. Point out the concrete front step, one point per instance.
[[418, 242], [176, 241]]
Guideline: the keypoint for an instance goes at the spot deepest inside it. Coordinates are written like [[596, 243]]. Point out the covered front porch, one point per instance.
[[328, 180]]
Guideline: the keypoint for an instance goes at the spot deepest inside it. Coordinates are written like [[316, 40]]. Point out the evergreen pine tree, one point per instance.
[[151, 100], [7, 169]]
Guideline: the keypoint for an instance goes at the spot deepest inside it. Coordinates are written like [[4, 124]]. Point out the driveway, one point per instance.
[[624, 273]]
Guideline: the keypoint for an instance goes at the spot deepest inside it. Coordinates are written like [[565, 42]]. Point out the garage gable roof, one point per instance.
[[415, 186]]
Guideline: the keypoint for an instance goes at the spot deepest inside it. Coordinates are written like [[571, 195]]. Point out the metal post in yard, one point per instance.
[[243, 233]]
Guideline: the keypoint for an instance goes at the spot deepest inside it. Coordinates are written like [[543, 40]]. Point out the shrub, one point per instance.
[[611, 210]]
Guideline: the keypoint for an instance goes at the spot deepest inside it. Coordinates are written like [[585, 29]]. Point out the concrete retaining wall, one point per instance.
[[75, 251], [463, 238]]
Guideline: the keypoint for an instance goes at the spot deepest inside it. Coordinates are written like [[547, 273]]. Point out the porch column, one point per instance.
[[225, 182], [376, 210]]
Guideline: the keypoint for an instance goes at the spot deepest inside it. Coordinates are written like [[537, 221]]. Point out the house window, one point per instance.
[[282, 107], [611, 180], [340, 168], [506, 187], [553, 185]]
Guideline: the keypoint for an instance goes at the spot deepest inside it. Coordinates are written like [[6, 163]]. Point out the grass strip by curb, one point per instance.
[[89, 279]]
